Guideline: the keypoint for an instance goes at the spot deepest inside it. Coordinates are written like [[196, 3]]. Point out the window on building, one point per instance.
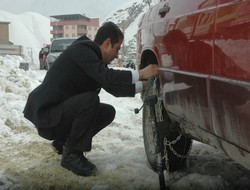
[[60, 27], [57, 36], [81, 27], [73, 26], [66, 27], [66, 35], [73, 35]]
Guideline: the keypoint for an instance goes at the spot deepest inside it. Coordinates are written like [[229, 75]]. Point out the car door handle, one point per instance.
[[164, 10]]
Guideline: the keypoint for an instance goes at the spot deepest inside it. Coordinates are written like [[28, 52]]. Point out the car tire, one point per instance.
[[182, 146]]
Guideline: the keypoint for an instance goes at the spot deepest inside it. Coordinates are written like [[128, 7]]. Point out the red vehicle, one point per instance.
[[203, 89]]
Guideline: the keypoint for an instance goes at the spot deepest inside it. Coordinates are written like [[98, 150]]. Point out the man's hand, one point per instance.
[[149, 71]]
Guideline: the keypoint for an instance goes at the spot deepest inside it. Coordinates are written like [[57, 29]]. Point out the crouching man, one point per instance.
[[66, 107]]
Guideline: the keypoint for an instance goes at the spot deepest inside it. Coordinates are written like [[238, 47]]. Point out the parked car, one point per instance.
[[57, 47], [203, 89]]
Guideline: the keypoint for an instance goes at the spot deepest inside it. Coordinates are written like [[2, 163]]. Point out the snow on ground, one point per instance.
[[29, 162]]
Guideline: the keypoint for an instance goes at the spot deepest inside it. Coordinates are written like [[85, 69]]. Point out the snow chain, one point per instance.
[[166, 143], [170, 143]]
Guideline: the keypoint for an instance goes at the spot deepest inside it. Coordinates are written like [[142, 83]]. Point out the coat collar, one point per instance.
[[91, 44]]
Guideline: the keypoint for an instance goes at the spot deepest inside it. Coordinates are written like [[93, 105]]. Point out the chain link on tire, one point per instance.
[[167, 143]]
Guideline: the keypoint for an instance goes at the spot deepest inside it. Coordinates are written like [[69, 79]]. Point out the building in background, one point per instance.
[[6, 46], [4, 33], [73, 25]]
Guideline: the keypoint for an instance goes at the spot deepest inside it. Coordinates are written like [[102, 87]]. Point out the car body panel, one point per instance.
[[203, 50], [230, 89]]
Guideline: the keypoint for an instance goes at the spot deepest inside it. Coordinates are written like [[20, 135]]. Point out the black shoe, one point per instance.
[[76, 162], [58, 145]]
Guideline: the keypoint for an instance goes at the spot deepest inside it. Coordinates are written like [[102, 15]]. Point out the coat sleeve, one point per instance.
[[116, 82], [122, 91]]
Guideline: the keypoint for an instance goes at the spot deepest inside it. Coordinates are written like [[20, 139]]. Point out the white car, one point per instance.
[[57, 47]]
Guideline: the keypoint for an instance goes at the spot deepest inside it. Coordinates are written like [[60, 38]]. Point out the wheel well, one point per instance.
[[148, 57]]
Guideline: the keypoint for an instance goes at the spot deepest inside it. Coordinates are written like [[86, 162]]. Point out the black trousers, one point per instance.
[[83, 117]]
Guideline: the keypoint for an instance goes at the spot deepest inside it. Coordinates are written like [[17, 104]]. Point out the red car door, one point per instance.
[[184, 44], [230, 84]]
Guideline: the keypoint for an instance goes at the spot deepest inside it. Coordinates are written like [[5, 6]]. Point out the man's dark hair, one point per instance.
[[109, 30]]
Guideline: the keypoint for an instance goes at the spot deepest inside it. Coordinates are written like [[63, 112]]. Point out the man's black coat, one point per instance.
[[77, 70]]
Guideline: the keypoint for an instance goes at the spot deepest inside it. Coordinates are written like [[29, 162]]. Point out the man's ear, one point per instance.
[[107, 42]]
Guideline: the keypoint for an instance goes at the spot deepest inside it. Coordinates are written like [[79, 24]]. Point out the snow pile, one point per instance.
[[15, 85]]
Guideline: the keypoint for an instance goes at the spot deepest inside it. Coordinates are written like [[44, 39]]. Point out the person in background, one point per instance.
[[41, 59], [66, 107]]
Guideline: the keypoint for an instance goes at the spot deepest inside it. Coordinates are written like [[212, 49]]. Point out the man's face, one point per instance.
[[109, 52]]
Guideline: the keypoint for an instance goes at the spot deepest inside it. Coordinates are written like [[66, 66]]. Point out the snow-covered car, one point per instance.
[[203, 88], [57, 47]]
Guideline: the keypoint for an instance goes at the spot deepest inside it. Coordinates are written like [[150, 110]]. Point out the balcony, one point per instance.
[[56, 31]]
